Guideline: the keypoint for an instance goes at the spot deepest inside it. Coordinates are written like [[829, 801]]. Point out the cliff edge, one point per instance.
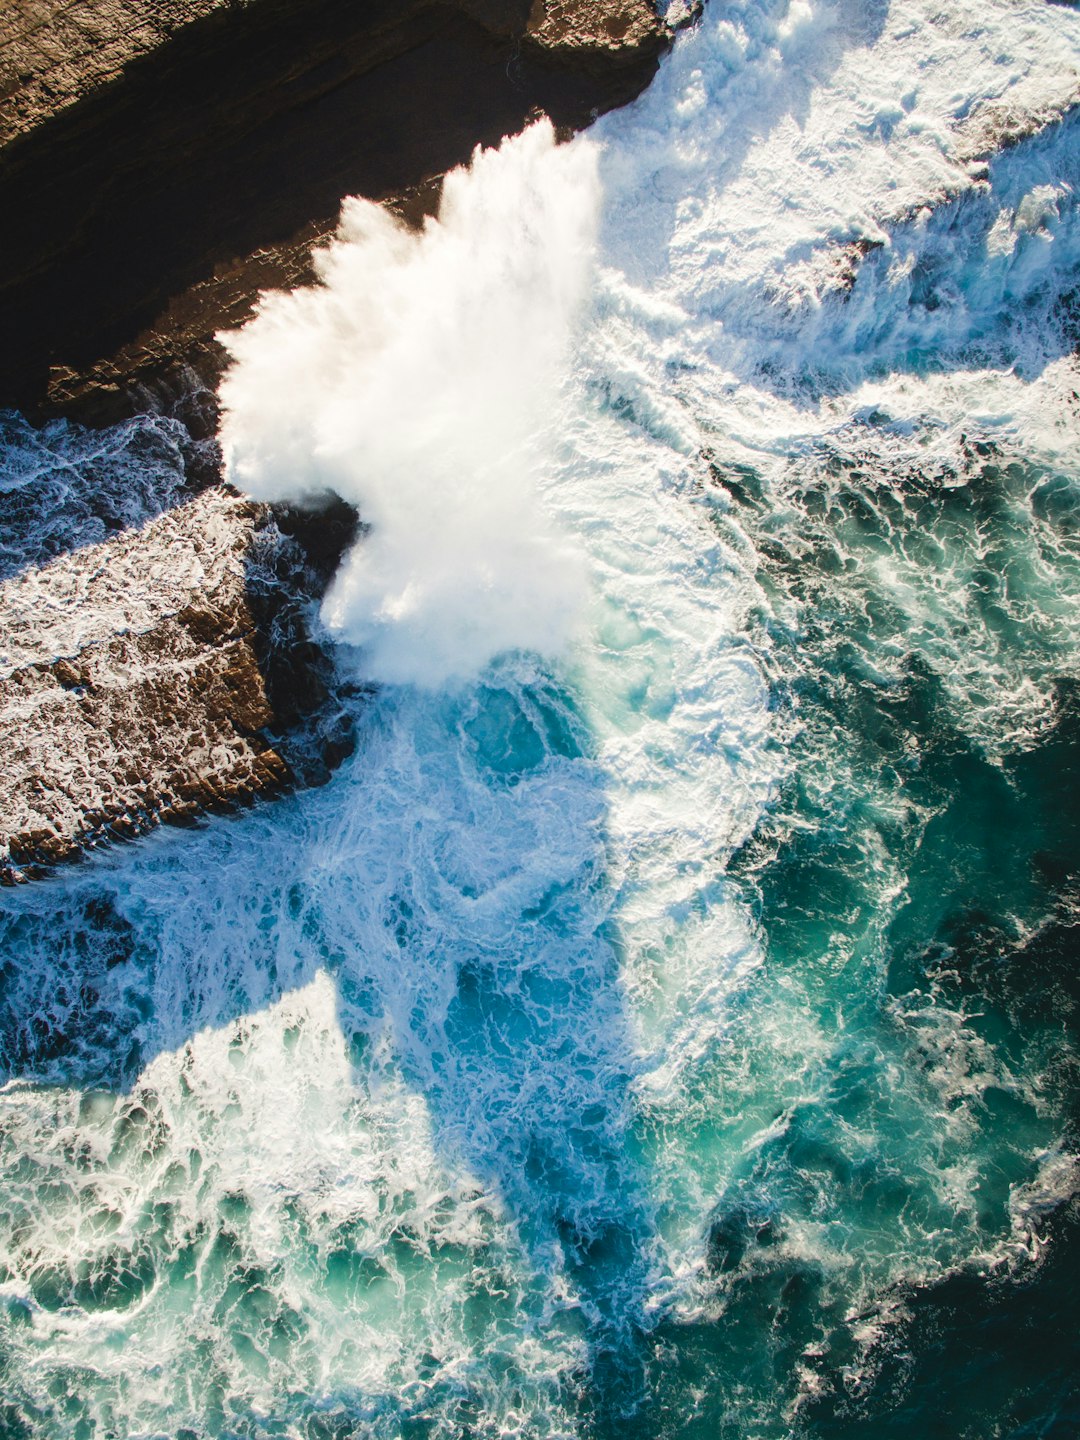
[[161, 163]]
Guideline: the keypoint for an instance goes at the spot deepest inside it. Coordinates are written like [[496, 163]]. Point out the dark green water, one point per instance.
[[900, 1252]]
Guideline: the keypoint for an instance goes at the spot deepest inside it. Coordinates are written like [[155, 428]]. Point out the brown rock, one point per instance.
[[131, 684], [161, 162]]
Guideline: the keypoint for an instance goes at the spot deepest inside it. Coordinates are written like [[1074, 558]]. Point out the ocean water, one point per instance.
[[665, 1023]]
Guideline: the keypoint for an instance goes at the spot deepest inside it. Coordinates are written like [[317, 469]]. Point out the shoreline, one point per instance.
[[150, 210]]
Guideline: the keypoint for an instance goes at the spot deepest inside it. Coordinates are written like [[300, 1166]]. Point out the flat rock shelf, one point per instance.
[[134, 687]]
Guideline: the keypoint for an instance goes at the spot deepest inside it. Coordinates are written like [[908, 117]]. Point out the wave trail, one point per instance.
[[417, 381]]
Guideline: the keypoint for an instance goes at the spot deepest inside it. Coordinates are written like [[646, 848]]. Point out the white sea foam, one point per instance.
[[419, 381], [775, 137], [66, 486]]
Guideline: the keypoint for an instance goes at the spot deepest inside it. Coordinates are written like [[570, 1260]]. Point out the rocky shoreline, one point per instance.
[[161, 165]]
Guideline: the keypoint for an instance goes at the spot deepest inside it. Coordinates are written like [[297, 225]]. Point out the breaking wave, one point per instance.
[[421, 382]]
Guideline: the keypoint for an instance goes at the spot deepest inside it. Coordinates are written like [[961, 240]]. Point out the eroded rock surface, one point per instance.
[[161, 163], [134, 686]]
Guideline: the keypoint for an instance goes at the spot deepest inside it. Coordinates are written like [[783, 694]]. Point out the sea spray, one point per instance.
[[419, 381]]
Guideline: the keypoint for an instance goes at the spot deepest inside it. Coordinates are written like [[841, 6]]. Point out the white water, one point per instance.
[[440, 1071], [62, 488], [421, 381]]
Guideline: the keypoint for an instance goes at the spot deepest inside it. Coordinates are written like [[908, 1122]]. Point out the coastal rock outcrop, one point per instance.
[[161, 164], [135, 684]]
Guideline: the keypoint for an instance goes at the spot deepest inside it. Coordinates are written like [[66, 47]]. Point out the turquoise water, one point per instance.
[[664, 1026]]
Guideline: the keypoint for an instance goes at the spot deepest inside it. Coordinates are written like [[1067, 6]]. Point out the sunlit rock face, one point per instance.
[[136, 685], [665, 1024], [160, 167], [129, 724]]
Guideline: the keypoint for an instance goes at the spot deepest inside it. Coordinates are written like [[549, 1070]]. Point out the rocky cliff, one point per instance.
[[147, 147], [160, 164], [163, 672]]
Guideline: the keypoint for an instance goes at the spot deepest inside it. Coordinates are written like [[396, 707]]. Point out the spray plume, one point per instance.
[[419, 381]]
